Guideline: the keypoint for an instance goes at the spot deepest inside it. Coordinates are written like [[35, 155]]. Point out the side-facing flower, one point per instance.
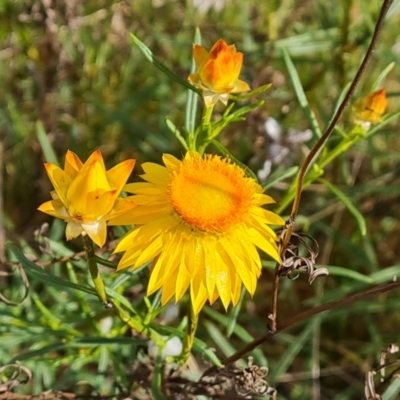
[[217, 72], [200, 220], [369, 109], [86, 195]]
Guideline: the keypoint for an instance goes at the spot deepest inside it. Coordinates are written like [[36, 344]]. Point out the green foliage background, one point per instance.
[[72, 79]]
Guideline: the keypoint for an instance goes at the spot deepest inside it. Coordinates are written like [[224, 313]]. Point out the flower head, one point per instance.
[[200, 220], [369, 109], [86, 195], [218, 72]]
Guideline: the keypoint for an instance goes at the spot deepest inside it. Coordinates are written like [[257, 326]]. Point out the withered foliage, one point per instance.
[[300, 255], [230, 382], [386, 361]]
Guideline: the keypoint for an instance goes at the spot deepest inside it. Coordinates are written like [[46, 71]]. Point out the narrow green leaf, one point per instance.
[[290, 354], [239, 331], [301, 96], [97, 341], [308, 44], [156, 382], [149, 55], [220, 340], [349, 205], [382, 76], [48, 152], [280, 176], [378, 127], [253, 93], [338, 102], [392, 391], [41, 274], [386, 274], [39, 352], [171, 126], [192, 97], [348, 273], [234, 314]]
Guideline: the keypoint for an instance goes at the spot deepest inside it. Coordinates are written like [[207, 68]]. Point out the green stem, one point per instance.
[[190, 335], [343, 146], [204, 133], [94, 270], [106, 263], [135, 323]]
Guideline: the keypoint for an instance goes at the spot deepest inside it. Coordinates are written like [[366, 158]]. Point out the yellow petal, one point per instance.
[[268, 246], [158, 171], [182, 281], [143, 215], [72, 164], [60, 180], [171, 162], [118, 175], [73, 230], [240, 86], [54, 208], [200, 55], [261, 199], [168, 290], [120, 208], [150, 252], [145, 188], [128, 259], [223, 281], [95, 158], [166, 266], [236, 263], [97, 232], [210, 261], [198, 293]]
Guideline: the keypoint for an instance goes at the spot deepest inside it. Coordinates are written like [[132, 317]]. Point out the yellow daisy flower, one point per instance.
[[86, 195], [200, 220], [217, 72], [370, 109]]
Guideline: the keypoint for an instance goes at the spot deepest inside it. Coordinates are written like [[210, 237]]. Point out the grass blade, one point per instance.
[[149, 55], [349, 205], [301, 96]]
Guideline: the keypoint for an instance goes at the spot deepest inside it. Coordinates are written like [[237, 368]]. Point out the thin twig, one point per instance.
[[305, 315], [314, 152]]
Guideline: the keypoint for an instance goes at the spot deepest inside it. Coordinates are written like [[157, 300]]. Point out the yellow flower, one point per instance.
[[200, 220], [218, 72], [369, 109], [85, 195]]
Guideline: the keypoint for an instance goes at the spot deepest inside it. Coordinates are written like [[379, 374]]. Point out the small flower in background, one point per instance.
[[218, 72], [200, 220], [369, 109], [86, 195]]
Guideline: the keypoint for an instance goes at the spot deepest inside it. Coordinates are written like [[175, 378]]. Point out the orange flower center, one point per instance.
[[211, 194]]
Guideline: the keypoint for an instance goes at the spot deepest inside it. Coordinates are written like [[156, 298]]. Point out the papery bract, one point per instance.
[[86, 195], [217, 72], [369, 109]]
